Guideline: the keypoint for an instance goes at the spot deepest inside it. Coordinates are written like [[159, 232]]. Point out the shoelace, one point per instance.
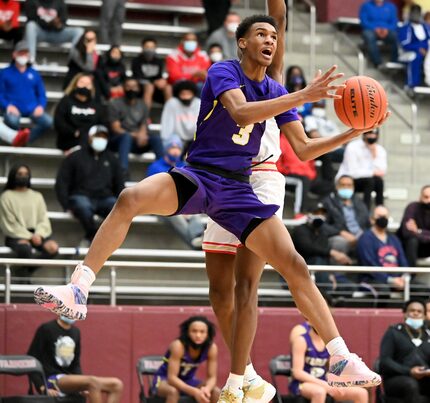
[[228, 396]]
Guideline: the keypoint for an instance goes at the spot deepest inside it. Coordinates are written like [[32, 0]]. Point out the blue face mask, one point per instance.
[[173, 159], [67, 320], [414, 323], [345, 193], [190, 46]]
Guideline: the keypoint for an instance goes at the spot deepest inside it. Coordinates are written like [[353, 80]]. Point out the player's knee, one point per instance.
[[117, 386], [51, 247], [93, 384], [246, 290], [319, 394], [173, 392], [128, 202], [222, 299]]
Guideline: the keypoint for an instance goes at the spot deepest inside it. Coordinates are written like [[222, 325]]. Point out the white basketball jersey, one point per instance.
[[270, 143]]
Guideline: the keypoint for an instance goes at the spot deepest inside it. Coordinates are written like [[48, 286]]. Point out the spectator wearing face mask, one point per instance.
[[24, 220], [188, 62], [9, 23], [226, 35], [22, 94], [89, 181], [366, 161], [414, 229], [295, 81], [180, 113], [128, 118], [347, 216], [76, 112], [113, 72], [413, 38], [215, 53], [148, 68]]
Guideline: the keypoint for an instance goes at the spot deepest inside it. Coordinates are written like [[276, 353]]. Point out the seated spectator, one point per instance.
[[189, 227], [57, 345], [89, 182], [309, 368], [76, 112], [84, 58], [188, 62], [180, 113], [112, 16], [46, 22], [128, 118], [377, 247], [215, 12], [148, 68], [414, 37], [366, 161], [226, 35], [378, 20], [295, 81], [176, 376], [414, 229], [347, 216], [22, 93], [407, 4], [9, 23], [405, 357], [24, 220], [215, 53], [113, 72], [318, 125], [305, 177], [17, 138], [312, 243]]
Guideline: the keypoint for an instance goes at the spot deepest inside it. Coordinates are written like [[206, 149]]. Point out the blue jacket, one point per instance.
[[371, 251], [373, 16], [408, 39], [23, 90], [161, 165]]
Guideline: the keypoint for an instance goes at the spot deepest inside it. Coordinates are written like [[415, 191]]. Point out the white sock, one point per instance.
[[235, 383], [337, 346], [83, 277], [250, 374], [6, 133]]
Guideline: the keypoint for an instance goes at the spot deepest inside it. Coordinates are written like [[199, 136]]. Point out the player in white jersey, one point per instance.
[[233, 280]]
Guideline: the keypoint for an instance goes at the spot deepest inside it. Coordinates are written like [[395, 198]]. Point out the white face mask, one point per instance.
[[22, 60], [318, 112], [99, 144], [216, 57], [190, 46], [232, 27]]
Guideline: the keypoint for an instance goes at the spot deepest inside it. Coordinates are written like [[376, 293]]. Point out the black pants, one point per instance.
[[415, 249], [407, 389], [15, 34], [367, 186], [215, 12]]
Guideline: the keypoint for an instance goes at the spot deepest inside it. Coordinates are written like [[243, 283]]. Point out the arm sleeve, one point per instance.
[[388, 365], [392, 23], [16, 13], [61, 120], [380, 162], [85, 65], [4, 101], [364, 18], [174, 70], [9, 224], [62, 12], [30, 10], [75, 366], [113, 113], [63, 182], [368, 256], [135, 68], [221, 78], [352, 163], [43, 227], [40, 90], [118, 176], [403, 262], [35, 350]]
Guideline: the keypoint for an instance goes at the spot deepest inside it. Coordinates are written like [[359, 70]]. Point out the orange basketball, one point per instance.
[[363, 102]]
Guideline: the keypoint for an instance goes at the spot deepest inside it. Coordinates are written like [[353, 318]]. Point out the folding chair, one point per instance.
[[146, 368], [18, 365]]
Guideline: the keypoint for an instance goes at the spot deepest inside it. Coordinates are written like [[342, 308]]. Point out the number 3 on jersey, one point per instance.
[[242, 137]]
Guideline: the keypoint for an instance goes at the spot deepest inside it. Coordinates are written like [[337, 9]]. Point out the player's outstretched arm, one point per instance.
[[245, 113], [309, 149], [278, 10]]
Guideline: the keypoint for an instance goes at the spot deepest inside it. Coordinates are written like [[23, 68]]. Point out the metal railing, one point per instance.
[[312, 31], [113, 288], [339, 39]]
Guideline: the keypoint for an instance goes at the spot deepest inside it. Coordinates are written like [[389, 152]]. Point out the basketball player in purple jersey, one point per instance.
[[237, 99]]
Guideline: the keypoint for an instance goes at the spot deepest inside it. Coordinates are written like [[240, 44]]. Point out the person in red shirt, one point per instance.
[[9, 24], [188, 62]]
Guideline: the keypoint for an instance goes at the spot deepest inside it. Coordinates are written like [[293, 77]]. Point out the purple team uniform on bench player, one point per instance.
[[220, 156]]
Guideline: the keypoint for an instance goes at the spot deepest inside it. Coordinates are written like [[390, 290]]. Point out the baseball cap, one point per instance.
[[97, 129], [21, 45]]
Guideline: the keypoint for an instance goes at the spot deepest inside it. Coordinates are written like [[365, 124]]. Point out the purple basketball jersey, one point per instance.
[[219, 141]]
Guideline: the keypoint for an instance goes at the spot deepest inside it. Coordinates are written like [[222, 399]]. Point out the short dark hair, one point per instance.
[[412, 301], [344, 176], [185, 326], [182, 85], [148, 39], [214, 45], [248, 22]]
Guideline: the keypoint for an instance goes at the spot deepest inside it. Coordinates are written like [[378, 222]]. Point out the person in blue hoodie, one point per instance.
[[378, 20], [22, 93], [414, 37]]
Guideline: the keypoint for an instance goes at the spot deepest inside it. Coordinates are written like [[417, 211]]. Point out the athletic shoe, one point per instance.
[[21, 138], [258, 390], [350, 370], [227, 396]]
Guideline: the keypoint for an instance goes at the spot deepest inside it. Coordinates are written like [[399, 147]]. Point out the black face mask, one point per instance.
[[148, 54], [22, 181], [426, 205], [83, 91], [317, 222], [381, 222], [130, 94], [371, 140], [115, 61], [186, 102]]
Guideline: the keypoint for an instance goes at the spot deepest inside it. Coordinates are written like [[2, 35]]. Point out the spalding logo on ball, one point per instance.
[[363, 102]]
